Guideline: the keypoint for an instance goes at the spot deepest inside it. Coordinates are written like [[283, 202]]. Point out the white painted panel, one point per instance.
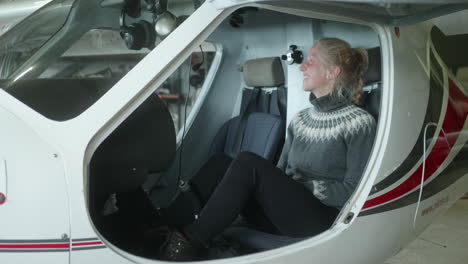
[[36, 208], [411, 93]]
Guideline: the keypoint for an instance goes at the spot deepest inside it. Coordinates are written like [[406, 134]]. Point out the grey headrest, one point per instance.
[[374, 72], [264, 72]]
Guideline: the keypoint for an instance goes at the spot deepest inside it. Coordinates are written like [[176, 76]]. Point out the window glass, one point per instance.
[[18, 45], [65, 56], [189, 83], [98, 54], [79, 77]]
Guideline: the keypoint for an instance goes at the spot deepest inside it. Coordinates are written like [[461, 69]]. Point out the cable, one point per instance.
[[180, 183], [197, 66], [424, 167]]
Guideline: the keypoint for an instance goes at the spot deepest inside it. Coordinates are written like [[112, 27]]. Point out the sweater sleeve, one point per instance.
[[283, 160], [359, 145]]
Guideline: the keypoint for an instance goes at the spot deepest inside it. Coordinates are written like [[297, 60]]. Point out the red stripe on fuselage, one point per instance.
[[47, 246], [34, 246], [455, 116]]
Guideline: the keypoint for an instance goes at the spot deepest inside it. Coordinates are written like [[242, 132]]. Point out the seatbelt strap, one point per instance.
[[252, 98]]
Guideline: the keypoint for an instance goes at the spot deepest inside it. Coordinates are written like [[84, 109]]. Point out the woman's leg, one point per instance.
[[205, 180], [188, 203], [290, 207]]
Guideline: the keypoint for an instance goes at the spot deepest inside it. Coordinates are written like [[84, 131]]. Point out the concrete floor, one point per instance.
[[444, 242]]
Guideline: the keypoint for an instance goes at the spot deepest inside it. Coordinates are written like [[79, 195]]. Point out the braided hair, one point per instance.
[[353, 63]]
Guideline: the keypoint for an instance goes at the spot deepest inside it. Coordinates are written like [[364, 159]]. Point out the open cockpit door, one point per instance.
[[388, 12]]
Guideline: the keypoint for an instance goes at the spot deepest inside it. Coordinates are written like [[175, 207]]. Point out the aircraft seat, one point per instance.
[[370, 100], [260, 126], [263, 135], [142, 144]]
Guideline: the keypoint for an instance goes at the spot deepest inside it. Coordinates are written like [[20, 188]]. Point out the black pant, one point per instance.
[[262, 192]]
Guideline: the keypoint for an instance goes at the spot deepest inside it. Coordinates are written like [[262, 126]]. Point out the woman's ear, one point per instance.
[[333, 72]]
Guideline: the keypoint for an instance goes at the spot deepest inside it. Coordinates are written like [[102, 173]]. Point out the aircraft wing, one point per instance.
[[392, 12]]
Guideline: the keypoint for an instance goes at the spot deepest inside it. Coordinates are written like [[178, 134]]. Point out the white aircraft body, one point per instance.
[[82, 126]]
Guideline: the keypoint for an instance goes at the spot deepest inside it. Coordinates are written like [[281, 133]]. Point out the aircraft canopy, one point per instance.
[[391, 12]]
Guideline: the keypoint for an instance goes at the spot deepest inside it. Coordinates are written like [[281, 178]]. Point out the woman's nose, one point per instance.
[[303, 66]]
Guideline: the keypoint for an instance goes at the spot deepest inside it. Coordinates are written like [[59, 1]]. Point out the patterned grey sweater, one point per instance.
[[327, 148]]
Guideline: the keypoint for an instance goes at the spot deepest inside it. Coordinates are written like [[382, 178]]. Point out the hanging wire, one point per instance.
[[424, 168], [180, 183]]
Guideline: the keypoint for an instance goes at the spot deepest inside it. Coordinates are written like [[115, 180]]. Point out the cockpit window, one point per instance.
[[65, 56], [79, 77], [18, 45]]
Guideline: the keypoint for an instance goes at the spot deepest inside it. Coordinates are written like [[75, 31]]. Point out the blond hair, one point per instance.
[[353, 63]]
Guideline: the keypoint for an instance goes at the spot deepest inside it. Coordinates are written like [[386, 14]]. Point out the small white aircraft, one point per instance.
[[92, 90]]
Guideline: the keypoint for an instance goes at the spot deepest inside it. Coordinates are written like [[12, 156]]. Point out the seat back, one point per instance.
[[259, 127], [370, 100], [263, 135], [142, 144]]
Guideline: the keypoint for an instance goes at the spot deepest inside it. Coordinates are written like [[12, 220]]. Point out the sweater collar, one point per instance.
[[326, 103]]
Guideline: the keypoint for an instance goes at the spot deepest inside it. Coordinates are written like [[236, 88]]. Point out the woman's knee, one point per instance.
[[251, 164]]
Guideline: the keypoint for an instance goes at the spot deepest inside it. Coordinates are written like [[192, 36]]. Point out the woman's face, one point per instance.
[[316, 76]]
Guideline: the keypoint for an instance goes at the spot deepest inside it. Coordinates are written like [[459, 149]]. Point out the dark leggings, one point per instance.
[[260, 191]]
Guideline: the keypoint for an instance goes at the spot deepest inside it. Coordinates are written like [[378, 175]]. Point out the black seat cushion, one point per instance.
[[374, 70], [370, 100]]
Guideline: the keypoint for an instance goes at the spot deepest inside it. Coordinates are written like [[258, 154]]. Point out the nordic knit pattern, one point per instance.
[[327, 148]]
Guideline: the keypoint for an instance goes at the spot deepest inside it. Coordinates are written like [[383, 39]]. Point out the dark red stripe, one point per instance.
[[455, 116], [38, 246], [86, 244], [20, 246]]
